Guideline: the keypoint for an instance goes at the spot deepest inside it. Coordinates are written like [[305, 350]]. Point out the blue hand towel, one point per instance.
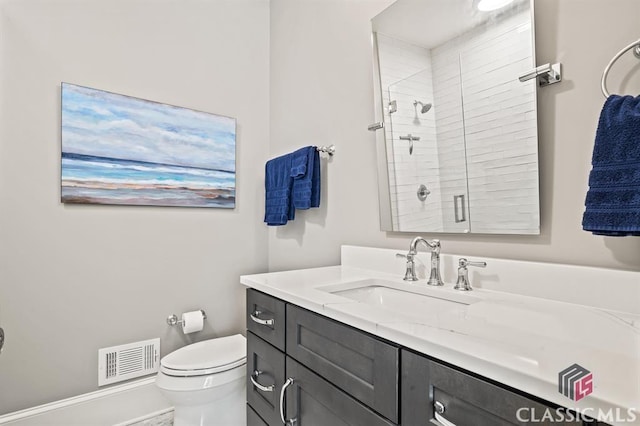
[[306, 182], [613, 199], [277, 184]]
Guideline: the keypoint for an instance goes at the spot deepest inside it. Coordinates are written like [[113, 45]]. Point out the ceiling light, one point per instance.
[[488, 5]]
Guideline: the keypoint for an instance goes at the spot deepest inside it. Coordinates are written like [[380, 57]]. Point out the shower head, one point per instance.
[[425, 106]]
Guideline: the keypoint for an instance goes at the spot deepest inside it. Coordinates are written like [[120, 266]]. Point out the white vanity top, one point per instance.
[[518, 340]]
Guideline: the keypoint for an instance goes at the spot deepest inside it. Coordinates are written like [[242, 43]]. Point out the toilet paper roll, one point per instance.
[[192, 321]]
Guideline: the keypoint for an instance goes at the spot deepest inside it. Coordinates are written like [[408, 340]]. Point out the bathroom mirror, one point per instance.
[[458, 152]]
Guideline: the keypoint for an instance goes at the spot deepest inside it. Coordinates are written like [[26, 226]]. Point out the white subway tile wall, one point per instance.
[[451, 135], [406, 77], [501, 126]]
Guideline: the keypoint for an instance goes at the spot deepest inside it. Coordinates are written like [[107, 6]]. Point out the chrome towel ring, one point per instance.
[[636, 51]]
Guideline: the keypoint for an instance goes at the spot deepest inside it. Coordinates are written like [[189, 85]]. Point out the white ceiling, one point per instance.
[[429, 23]]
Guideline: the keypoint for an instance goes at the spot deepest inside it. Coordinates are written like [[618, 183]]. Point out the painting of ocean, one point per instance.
[[118, 149]]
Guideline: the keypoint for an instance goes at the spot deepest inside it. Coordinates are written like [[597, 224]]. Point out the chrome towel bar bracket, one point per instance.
[[331, 149], [547, 74]]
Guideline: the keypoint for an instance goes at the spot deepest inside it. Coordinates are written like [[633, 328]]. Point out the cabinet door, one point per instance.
[[253, 419], [266, 317], [265, 367], [359, 364], [312, 401], [463, 399]]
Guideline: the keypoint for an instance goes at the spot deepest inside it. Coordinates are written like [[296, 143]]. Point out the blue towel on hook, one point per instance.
[[306, 182], [613, 199]]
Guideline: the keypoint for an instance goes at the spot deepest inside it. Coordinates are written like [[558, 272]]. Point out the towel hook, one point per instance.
[[636, 51]]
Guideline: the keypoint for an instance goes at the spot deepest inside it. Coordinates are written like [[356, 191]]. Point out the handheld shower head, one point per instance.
[[425, 106]]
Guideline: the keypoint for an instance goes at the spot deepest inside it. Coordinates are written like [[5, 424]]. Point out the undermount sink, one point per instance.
[[393, 296]]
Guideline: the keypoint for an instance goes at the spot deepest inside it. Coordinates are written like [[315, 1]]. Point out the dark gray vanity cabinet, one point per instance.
[[429, 386], [253, 419], [334, 374]]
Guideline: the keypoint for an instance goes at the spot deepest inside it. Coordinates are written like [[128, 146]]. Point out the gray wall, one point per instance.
[[321, 92], [77, 278]]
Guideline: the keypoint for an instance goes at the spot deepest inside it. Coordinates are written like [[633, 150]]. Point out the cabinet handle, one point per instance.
[[442, 420], [286, 422], [437, 413], [254, 379], [254, 317]]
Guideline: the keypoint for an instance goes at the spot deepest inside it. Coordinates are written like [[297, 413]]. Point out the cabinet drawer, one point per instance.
[[313, 401], [355, 362], [265, 367], [265, 317], [467, 400], [254, 419]]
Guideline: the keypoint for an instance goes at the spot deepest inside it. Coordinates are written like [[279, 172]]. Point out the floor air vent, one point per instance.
[[125, 362]]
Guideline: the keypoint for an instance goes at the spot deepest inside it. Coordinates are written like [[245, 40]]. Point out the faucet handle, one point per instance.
[[409, 256], [463, 263], [410, 272], [463, 274]]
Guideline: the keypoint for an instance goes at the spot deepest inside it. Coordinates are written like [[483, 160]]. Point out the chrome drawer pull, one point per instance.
[[254, 377], [439, 409], [254, 317], [285, 422]]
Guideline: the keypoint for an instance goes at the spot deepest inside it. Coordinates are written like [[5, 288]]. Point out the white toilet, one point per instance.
[[206, 382]]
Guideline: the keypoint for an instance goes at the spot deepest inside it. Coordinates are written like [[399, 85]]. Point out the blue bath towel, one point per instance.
[[306, 182], [278, 184], [613, 199], [292, 181]]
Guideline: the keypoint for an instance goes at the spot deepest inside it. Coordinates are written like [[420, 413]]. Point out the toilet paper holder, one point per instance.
[[173, 319]]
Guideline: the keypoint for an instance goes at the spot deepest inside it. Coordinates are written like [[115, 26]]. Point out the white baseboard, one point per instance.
[[145, 399]]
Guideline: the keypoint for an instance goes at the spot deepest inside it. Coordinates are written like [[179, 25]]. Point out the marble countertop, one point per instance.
[[520, 341]]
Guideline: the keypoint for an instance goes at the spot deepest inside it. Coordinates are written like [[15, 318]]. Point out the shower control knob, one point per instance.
[[1, 339], [423, 192]]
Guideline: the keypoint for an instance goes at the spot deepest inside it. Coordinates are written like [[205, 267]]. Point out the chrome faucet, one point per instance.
[[463, 274], [410, 272]]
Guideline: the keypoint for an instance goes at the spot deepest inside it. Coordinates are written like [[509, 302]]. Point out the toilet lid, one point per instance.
[[207, 357]]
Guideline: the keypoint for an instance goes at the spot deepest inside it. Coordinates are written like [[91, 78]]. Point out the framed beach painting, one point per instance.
[[119, 149]]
